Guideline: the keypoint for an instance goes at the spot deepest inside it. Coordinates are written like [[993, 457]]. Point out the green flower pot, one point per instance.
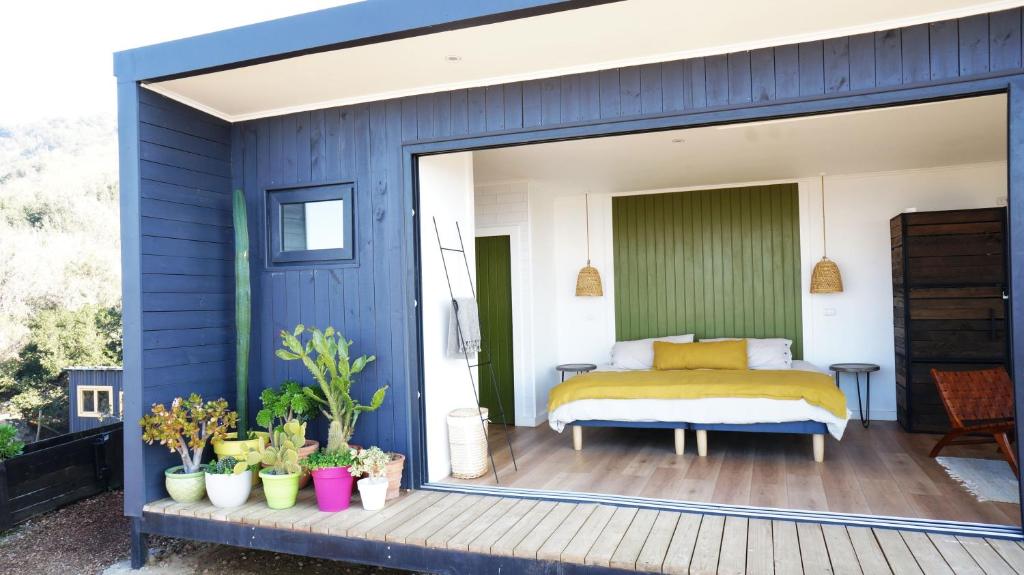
[[280, 490], [185, 487]]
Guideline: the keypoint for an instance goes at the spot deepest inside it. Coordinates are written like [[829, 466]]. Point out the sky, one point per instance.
[[56, 56]]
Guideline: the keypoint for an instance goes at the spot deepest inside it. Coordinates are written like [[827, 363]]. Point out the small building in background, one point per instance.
[[95, 396]]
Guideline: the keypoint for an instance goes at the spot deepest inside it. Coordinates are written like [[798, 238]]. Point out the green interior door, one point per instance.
[[494, 297]]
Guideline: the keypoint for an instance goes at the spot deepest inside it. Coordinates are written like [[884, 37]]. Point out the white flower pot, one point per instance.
[[229, 490], [373, 491]]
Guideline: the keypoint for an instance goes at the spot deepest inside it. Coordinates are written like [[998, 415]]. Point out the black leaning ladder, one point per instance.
[[469, 364]]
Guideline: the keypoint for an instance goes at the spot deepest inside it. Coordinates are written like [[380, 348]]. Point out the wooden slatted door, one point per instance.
[[494, 298]]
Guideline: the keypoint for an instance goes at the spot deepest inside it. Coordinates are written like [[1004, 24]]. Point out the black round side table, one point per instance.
[[856, 369], [576, 368]]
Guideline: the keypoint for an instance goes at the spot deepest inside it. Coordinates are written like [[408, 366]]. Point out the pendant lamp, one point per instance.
[[588, 282], [825, 278]]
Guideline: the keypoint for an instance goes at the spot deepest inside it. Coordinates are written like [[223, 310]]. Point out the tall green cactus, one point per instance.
[[243, 312]]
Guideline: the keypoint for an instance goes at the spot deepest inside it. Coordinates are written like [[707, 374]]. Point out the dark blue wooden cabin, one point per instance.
[[95, 397], [179, 166]]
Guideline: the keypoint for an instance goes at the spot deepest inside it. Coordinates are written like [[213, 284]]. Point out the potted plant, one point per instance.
[[281, 475], [239, 444], [332, 478], [333, 371], [228, 482], [186, 428], [373, 488], [284, 404]]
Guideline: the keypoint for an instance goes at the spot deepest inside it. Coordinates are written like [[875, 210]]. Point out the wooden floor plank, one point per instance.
[[655, 549], [507, 543], [986, 557], [607, 542], [958, 559], [786, 548], [841, 555], [760, 555], [362, 529], [869, 554], [927, 556], [708, 547], [537, 536], [733, 557], [813, 553], [684, 540], [474, 528], [426, 532], [1011, 552], [551, 549], [578, 547], [897, 554], [494, 532], [628, 551], [402, 528]]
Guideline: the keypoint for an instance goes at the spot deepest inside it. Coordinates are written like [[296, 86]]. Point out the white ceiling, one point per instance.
[[599, 37], [911, 137]]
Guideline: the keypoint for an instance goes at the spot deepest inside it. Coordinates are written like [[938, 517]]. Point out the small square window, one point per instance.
[[310, 224], [95, 401]]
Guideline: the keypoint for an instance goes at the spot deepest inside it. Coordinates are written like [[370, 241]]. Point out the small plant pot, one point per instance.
[[394, 474], [373, 492], [333, 488], [185, 487], [280, 490], [229, 490]]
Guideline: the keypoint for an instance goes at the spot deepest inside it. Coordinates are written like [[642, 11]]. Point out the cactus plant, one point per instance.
[[333, 370], [243, 312], [281, 457]]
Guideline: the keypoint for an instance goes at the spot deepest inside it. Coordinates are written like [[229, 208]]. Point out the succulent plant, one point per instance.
[[227, 466], [187, 426], [282, 455]]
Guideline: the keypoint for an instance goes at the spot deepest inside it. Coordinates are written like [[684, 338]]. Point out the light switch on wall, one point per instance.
[[830, 311]]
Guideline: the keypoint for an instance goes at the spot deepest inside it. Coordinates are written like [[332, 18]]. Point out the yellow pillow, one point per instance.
[[704, 355]]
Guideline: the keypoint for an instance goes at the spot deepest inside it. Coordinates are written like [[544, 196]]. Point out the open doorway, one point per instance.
[[711, 233]]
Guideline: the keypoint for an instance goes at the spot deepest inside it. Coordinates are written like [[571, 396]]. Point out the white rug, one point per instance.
[[986, 479]]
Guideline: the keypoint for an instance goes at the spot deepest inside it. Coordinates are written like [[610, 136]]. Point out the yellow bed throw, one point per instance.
[[812, 387]]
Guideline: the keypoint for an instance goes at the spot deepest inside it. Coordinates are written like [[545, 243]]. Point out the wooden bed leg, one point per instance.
[[819, 447], [577, 437], [680, 441], [702, 442]]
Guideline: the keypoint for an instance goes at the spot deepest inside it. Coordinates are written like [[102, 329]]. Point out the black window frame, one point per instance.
[[275, 197]]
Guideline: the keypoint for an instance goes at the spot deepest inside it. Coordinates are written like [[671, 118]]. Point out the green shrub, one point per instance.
[[9, 444]]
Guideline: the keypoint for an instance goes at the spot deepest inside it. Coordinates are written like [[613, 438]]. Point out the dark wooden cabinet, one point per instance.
[[949, 306]]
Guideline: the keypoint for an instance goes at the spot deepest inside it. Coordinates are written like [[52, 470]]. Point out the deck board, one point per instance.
[[624, 538]]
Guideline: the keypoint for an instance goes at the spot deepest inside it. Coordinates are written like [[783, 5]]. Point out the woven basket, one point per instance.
[[588, 282], [468, 442], [825, 277]]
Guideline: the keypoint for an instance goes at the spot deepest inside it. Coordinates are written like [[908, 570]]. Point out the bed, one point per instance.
[[801, 399]]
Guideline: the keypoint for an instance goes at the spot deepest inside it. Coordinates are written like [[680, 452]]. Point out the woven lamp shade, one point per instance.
[[825, 278], [588, 282]]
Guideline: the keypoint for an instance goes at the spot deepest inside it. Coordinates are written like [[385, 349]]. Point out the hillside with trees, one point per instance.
[[60, 290]]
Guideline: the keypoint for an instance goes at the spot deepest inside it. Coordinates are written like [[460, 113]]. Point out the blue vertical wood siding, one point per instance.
[[190, 161]]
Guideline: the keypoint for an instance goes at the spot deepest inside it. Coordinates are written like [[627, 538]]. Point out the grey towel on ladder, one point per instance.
[[464, 317]]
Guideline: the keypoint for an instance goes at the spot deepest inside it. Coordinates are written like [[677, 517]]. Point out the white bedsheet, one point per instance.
[[707, 410]]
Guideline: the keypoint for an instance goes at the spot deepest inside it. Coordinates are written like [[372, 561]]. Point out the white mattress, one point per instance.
[[707, 410]]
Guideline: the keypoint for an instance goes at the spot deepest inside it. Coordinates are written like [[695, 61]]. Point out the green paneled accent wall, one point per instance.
[[717, 263]]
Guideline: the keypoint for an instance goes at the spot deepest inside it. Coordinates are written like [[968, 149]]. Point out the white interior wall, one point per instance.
[[446, 192], [855, 325]]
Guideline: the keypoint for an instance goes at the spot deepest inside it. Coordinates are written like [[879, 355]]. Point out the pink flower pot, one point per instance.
[[333, 488]]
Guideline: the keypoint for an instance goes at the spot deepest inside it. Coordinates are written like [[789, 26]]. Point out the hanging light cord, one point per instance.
[[587, 200], [824, 242]]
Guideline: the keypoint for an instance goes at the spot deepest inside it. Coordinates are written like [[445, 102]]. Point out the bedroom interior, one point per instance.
[[704, 239]]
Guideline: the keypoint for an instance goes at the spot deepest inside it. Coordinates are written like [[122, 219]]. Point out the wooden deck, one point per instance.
[[570, 537]]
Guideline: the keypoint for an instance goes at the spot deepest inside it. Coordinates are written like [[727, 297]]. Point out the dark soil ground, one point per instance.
[[91, 537]]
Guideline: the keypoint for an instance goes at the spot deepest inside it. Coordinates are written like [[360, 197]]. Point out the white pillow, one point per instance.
[[769, 353], [639, 353]]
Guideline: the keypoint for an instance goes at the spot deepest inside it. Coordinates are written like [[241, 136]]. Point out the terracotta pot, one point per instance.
[[394, 474], [309, 448]]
